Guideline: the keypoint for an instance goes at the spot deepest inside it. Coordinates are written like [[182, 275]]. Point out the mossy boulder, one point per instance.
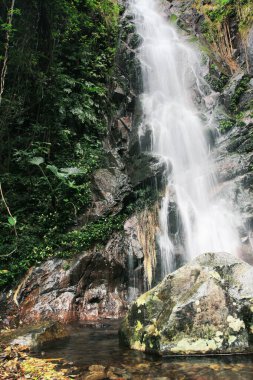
[[204, 307]]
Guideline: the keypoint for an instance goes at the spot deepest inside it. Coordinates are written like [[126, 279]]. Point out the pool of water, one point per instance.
[[97, 343]]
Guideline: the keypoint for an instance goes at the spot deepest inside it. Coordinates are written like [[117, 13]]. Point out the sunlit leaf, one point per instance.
[[37, 161], [12, 220]]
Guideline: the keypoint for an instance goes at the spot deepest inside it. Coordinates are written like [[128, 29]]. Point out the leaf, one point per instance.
[[71, 171], [173, 18], [37, 161], [72, 185], [55, 171], [12, 220]]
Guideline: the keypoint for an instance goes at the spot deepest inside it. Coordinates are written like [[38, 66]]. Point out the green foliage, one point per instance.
[[99, 232], [5, 277], [173, 19], [216, 79], [143, 197], [226, 125], [12, 220], [240, 89], [58, 244], [53, 119], [221, 10], [246, 8]]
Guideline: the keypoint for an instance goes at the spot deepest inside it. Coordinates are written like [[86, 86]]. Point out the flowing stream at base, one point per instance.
[[97, 343], [177, 108]]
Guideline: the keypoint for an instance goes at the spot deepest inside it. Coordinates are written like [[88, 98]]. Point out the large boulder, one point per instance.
[[89, 286], [33, 337], [204, 307]]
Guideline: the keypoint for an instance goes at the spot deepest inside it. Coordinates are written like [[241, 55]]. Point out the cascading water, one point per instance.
[[177, 109]]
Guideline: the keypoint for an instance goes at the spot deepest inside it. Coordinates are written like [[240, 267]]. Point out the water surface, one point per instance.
[[97, 343]]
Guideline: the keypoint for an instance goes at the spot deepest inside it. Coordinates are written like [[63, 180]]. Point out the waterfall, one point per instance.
[[178, 110]]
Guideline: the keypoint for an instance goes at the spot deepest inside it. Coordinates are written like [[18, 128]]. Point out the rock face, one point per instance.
[[88, 287], [229, 42], [204, 307], [112, 186], [234, 166], [95, 284]]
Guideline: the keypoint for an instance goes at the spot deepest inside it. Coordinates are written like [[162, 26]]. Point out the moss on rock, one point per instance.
[[209, 312]]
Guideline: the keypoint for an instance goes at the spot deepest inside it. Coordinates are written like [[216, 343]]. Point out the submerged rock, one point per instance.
[[204, 307]]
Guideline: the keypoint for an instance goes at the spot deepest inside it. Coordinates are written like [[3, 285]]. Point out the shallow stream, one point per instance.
[[97, 343]]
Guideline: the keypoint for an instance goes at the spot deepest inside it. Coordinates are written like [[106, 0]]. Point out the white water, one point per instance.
[[172, 80]]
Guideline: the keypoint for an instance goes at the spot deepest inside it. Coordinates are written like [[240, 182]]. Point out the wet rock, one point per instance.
[[204, 307], [140, 237], [147, 169], [130, 227], [233, 159], [121, 131], [8, 310], [113, 185], [185, 12], [230, 89], [99, 372], [95, 376], [250, 50], [233, 165], [90, 286], [245, 101], [193, 17], [119, 93], [39, 335]]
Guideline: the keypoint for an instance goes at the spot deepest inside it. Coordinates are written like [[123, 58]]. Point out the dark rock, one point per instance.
[[245, 101], [112, 184], [110, 188], [147, 169], [204, 307], [120, 134]]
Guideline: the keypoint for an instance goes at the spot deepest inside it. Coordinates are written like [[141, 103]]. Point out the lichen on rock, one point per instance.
[[203, 307]]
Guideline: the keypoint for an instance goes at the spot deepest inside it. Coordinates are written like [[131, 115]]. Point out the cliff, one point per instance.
[[77, 190]]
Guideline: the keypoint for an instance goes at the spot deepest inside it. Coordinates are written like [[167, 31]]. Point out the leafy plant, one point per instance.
[[226, 125], [53, 119], [240, 89]]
